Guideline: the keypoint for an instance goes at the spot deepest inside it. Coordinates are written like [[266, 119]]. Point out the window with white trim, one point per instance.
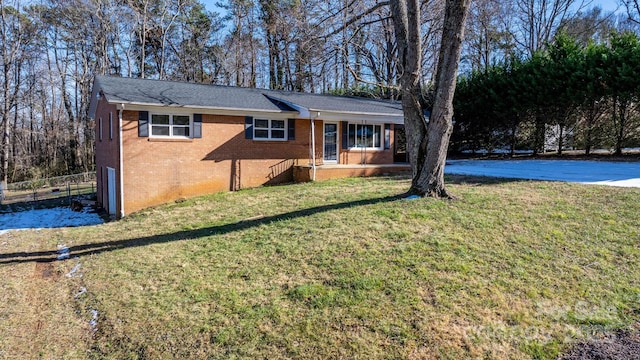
[[167, 125], [364, 136], [267, 129]]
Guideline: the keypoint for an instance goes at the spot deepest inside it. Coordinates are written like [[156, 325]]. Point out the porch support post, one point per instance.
[[313, 144]]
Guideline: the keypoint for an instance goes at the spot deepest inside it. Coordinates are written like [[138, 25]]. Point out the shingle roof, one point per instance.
[[171, 93], [345, 104]]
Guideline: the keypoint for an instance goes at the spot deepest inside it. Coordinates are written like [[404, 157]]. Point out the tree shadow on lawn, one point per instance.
[[477, 180], [97, 248], [461, 179], [107, 246]]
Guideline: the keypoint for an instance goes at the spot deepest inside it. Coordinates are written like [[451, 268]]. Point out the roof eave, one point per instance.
[[93, 103], [325, 114], [359, 116], [209, 108]]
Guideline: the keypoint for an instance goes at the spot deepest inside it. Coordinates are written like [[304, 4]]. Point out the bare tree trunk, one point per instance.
[[622, 124], [560, 139], [10, 45], [5, 133], [427, 144]]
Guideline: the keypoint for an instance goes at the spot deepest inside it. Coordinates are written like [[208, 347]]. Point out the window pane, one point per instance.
[[376, 135], [262, 123], [160, 130], [277, 134], [180, 120], [352, 135], [181, 131], [261, 134], [277, 124], [160, 119], [367, 135], [361, 134]]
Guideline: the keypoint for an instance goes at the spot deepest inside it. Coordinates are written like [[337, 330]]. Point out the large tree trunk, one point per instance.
[[427, 144], [406, 15]]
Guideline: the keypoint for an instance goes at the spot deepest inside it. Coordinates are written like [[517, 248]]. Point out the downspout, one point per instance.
[[120, 153], [313, 144]]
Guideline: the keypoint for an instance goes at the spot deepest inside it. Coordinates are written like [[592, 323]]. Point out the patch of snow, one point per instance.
[[47, 218], [611, 173], [94, 320], [82, 291], [497, 151], [74, 271]]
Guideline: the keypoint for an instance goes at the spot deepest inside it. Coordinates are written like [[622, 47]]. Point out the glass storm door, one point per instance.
[[330, 142]]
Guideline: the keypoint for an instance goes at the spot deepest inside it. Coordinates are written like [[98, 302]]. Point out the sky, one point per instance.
[[607, 5]]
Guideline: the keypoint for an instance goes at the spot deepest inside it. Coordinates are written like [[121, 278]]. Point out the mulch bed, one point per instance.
[[621, 345]]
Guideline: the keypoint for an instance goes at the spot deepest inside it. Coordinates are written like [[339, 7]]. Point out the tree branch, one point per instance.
[[356, 18]]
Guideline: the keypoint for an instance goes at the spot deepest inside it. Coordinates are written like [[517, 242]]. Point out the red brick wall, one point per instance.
[[106, 151], [159, 171], [305, 173]]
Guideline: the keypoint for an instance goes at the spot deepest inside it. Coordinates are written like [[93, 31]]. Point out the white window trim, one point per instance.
[[171, 126], [270, 129], [380, 137], [110, 126]]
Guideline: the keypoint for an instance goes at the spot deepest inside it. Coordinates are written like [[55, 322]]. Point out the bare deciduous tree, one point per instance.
[[633, 9], [538, 21], [427, 143]]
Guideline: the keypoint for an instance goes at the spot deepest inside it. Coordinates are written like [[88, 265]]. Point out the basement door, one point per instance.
[[111, 190]]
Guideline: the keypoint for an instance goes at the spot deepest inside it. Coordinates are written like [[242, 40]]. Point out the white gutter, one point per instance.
[[134, 105], [120, 152]]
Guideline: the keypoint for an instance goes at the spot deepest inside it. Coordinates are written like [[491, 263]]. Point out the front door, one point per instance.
[[330, 142], [399, 144], [111, 190]]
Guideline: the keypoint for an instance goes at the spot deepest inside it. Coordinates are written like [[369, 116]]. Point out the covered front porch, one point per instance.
[[305, 173]]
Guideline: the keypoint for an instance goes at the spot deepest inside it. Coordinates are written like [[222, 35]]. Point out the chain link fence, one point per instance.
[[61, 188]]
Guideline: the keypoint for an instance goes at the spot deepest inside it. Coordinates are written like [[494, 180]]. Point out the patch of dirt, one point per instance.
[[44, 270], [622, 345], [39, 318]]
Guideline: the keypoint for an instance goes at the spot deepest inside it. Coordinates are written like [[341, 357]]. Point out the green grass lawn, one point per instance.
[[343, 269]]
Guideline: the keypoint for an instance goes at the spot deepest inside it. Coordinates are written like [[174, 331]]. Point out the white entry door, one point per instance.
[[330, 142], [111, 190]]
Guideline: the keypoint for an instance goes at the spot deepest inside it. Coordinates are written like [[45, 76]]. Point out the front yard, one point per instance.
[[336, 269]]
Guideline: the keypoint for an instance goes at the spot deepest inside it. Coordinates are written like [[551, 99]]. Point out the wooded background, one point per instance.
[[518, 79]]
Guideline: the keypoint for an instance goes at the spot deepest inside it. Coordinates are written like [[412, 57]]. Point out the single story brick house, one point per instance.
[[158, 141]]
